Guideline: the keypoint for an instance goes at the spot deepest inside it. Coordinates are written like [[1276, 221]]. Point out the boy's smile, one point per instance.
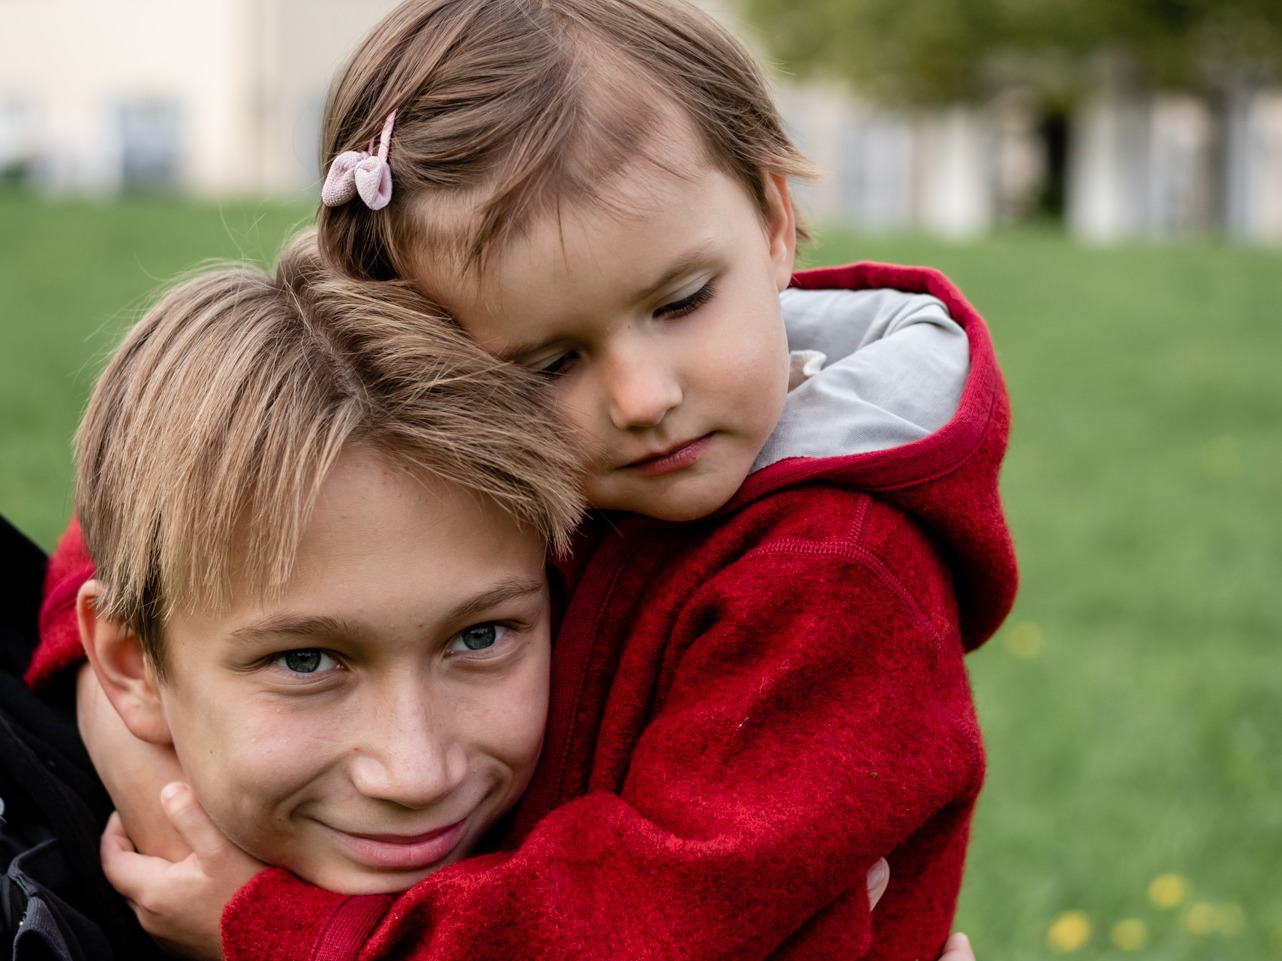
[[655, 316], [367, 727]]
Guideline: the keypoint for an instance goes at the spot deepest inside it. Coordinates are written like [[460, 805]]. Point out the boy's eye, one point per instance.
[[310, 660], [478, 637], [687, 305]]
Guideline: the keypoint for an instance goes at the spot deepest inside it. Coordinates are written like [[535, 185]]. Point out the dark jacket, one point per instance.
[[54, 901]]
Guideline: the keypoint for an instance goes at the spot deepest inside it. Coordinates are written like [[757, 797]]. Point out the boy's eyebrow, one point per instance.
[[506, 590], [324, 625], [296, 625]]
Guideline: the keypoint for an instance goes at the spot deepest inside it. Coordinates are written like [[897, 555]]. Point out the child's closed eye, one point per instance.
[[688, 304], [555, 366]]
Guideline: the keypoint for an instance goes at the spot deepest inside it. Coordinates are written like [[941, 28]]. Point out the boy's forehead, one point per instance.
[[382, 525]]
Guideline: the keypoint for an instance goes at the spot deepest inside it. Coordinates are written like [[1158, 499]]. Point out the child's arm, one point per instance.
[[794, 746], [169, 887]]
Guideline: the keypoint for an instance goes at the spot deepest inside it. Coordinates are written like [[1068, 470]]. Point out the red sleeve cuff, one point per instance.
[[277, 917]]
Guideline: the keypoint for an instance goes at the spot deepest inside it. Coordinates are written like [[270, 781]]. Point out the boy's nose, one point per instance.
[[407, 754], [640, 390]]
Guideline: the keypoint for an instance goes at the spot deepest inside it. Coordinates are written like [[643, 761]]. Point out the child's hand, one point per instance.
[[957, 948], [179, 903], [132, 770], [878, 881]]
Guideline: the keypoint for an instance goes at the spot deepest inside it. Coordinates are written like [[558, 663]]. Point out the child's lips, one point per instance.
[[677, 457], [401, 852]]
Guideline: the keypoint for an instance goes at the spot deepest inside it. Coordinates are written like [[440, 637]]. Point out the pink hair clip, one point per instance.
[[361, 172]]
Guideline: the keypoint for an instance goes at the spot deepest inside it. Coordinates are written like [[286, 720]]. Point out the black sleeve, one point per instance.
[[22, 574]]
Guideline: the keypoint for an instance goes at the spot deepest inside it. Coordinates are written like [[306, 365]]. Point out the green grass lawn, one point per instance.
[[1133, 703], [73, 277]]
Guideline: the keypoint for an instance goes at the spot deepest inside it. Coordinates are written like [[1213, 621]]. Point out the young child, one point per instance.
[[758, 686], [320, 516], [351, 464]]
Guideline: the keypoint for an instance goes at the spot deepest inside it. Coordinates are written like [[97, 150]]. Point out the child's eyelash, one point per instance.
[[687, 305], [556, 367]]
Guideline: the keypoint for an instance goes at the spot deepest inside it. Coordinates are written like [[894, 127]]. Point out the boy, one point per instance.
[[319, 516]]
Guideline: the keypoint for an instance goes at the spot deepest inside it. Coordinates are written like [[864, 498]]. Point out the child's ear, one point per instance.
[[126, 676], [781, 228]]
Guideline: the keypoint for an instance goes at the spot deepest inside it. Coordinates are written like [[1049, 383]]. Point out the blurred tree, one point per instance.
[[936, 52], [894, 50], [939, 51]]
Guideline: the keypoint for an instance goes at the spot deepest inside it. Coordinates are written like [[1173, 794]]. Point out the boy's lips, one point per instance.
[[400, 852], [674, 458]]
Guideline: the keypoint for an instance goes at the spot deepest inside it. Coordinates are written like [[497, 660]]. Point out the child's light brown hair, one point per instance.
[[512, 107], [214, 425]]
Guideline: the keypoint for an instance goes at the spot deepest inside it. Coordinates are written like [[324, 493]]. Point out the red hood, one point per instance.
[[948, 479]]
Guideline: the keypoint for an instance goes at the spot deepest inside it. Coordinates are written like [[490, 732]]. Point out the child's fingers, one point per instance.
[[114, 836], [191, 822], [878, 880], [957, 948], [125, 869]]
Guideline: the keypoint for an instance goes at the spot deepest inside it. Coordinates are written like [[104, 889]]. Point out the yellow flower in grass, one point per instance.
[[1232, 919], [1169, 890], [1214, 919], [1024, 640], [1070, 931], [1203, 918], [1130, 934]]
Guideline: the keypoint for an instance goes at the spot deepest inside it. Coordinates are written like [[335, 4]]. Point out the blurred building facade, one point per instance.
[[215, 97], [1131, 165], [224, 97]]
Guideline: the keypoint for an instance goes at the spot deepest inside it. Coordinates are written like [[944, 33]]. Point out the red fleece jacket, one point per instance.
[[747, 711]]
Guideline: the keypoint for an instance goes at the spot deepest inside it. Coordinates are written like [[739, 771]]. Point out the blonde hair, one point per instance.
[[516, 106], [214, 425]]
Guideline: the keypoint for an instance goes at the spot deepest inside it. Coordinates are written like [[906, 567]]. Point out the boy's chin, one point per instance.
[[360, 883], [354, 878]]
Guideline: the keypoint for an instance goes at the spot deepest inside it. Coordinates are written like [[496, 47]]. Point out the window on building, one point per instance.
[[18, 148], [150, 143]]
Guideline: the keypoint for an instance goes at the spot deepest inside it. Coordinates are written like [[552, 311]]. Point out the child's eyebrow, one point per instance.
[[688, 261], [684, 263]]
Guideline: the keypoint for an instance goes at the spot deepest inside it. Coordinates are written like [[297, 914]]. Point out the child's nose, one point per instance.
[[407, 754], [640, 389]]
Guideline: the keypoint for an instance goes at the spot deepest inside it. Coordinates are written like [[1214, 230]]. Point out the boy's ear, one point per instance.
[[781, 228], [126, 677]]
